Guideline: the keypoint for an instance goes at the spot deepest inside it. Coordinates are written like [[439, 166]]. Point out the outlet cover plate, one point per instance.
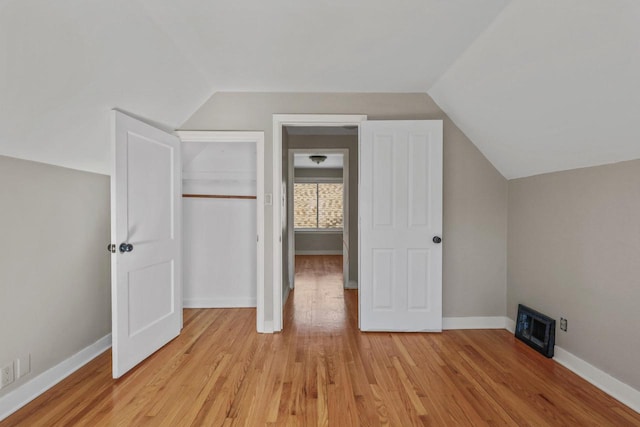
[[7, 375], [563, 324]]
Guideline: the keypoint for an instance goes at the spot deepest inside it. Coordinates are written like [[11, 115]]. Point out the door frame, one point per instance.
[[256, 137], [345, 208], [280, 120]]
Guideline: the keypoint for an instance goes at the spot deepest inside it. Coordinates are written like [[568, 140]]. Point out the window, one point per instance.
[[317, 205]]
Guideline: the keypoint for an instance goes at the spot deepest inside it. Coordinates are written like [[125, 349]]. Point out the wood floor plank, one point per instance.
[[322, 371]]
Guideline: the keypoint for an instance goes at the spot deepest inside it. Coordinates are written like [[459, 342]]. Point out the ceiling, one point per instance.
[[550, 85], [333, 161], [537, 86], [65, 64]]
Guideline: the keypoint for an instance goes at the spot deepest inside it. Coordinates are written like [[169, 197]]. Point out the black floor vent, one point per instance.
[[536, 330]]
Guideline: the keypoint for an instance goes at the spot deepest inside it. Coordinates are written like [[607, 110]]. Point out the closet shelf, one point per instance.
[[217, 196]]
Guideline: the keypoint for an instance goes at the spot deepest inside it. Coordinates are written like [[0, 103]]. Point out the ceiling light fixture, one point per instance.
[[317, 158]]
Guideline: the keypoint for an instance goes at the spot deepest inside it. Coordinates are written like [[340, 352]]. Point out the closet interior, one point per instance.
[[219, 224]]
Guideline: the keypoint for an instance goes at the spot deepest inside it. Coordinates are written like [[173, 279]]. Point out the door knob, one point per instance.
[[125, 247], [111, 248], [437, 239]]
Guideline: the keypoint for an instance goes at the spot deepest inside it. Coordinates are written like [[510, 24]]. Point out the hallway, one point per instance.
[[319, 304]]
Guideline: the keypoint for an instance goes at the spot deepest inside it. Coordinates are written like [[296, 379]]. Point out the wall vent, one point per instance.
[[536, 330]]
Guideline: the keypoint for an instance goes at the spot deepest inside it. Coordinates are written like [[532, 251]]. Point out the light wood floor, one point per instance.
[[323, 371]]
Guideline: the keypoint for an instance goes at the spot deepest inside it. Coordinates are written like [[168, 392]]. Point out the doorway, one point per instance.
[[399, 222], [319, 203], [280, 157]]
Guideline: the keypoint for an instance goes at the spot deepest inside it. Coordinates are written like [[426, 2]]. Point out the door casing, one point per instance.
[[280, 120]]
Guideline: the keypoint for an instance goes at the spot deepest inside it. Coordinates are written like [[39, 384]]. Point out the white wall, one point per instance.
[[55, 292], [219, 252]]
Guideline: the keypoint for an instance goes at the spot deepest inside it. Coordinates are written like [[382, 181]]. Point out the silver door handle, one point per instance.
[[125, 247]]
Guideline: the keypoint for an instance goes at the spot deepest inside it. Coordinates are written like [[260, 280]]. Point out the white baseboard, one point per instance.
[[219, 303], [268, 327], [482, 322], [605, 382], [33, 388], [285, 295], [511, 325], [352, 285], [320, 252]]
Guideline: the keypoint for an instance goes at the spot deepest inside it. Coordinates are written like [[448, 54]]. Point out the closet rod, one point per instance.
[[217, 196]]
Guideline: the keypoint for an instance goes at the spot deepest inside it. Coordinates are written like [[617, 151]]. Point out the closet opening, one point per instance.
[[223, 220]]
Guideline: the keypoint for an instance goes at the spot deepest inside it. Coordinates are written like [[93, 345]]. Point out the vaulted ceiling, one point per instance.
[[537, 86], [550, 85]]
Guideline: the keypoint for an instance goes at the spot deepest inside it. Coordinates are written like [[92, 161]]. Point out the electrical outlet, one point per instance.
[[23, 365], [563, 324], [7, 375]]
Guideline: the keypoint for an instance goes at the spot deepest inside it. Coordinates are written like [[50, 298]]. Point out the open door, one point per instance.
[[146, 269], [400, 226]]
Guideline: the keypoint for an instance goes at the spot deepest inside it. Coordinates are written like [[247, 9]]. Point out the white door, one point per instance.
[[145, 235], [401, 221]]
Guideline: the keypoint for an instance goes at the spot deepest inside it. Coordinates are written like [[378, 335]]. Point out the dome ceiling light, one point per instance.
[[317, 158]]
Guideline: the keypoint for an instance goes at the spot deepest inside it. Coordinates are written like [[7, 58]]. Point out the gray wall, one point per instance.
[[286, 280], [574, 246], [318, 241], [319, 172], [55, 292], [475, 194]]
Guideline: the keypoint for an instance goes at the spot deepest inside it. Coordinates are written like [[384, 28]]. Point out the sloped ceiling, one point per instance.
[[550, 85], [64, 64], [538, 86], [324, 46]]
